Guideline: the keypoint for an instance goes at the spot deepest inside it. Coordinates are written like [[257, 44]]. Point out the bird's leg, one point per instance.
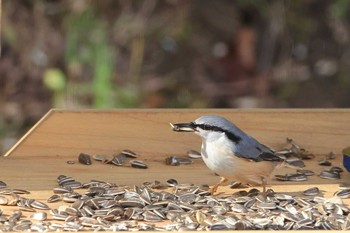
[[263, 183], [215, 187]]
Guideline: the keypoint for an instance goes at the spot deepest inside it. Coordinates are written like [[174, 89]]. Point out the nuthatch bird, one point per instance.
[[230, 152]]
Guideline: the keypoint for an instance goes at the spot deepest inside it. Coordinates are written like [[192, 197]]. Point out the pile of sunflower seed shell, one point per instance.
[[15, 220], [120, 159], [106, 206], [103, 206]]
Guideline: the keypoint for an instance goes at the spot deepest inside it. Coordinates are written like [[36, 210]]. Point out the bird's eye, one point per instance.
[[206, 127], [202, 126]]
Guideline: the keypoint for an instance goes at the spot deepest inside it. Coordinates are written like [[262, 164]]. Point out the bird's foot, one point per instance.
[[213, 189]]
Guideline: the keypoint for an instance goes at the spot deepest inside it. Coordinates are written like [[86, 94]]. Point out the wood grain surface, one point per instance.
[[42, 154]]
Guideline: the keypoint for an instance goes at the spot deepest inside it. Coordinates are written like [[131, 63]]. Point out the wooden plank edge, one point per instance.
[[175, 110], [30, 131], [209, 110]]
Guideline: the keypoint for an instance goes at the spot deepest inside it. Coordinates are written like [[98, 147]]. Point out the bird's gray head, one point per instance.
[[210, 126]]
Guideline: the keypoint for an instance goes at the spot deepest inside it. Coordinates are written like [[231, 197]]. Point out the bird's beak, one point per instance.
[[183, 127]]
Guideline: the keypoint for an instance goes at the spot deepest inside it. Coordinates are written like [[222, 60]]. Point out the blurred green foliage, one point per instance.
[[55, 80], [340, 8], [88, 45]]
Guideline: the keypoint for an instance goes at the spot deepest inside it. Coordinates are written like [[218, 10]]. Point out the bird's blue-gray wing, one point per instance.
[[250, 148]]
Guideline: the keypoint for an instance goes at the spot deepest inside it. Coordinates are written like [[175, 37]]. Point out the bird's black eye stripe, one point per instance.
[[230, 135]]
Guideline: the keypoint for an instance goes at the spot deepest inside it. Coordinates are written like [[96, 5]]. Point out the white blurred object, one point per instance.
[[326, 67], [220, 50]]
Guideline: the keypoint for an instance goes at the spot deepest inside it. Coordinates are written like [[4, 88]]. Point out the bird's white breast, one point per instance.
[[219, 156]]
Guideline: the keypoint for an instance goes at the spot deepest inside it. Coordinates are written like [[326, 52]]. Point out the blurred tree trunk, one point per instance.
[[276, 22]]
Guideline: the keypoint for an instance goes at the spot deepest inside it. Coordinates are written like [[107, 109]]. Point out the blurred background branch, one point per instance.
[[169, 54]]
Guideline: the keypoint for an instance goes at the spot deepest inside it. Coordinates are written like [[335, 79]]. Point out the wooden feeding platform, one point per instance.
[[41, 155]]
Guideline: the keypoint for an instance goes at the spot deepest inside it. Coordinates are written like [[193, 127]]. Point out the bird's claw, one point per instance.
[[213, 189]]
